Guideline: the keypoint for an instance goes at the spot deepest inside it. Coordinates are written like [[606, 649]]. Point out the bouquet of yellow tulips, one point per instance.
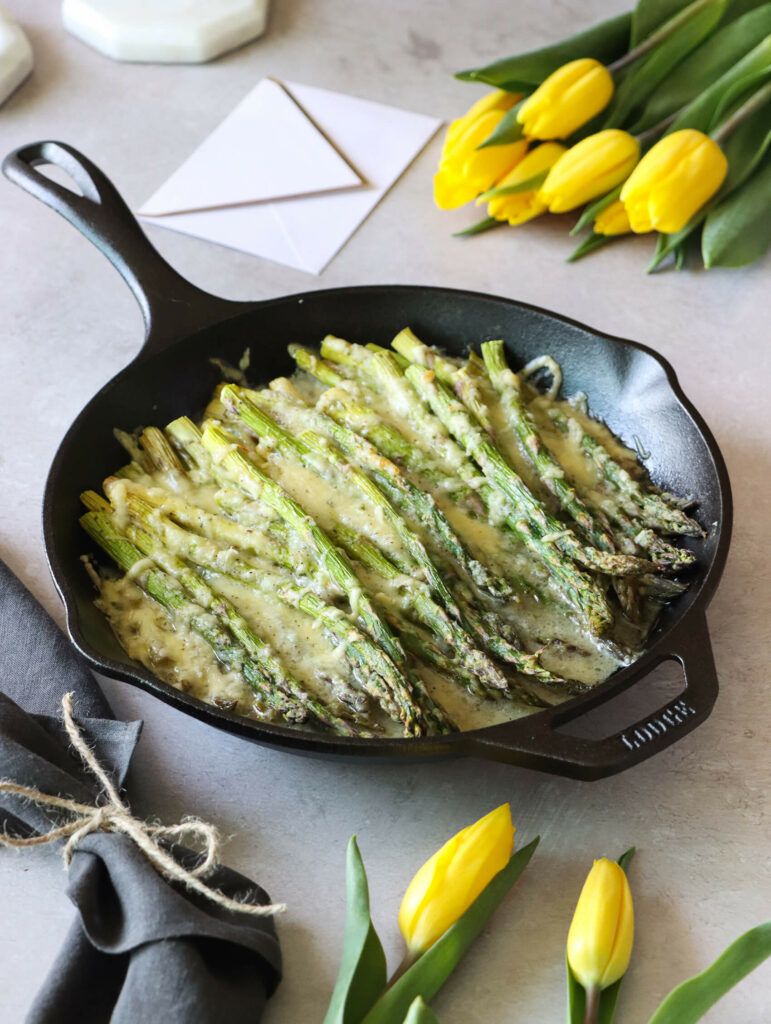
[[452, 897], [658, 121]]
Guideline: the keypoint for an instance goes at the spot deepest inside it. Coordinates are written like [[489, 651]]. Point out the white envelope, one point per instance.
[[291, 173]]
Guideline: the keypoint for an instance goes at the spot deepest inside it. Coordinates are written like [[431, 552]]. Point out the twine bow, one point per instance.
[[115, 816]]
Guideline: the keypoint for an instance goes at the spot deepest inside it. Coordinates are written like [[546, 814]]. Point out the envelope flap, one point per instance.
[[266, 149]]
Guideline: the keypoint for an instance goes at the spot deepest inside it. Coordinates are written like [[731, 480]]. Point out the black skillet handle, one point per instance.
[[171, 306], [548, 749]]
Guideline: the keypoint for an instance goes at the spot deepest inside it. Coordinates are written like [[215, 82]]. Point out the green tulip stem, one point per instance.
[[592, 1004], [646, 137], [754, 103], [657, 37]]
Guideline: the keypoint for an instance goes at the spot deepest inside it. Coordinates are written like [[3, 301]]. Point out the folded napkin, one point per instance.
[[142, 948]]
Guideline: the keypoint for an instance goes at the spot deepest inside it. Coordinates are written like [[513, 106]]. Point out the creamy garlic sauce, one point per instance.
[[538, 613]]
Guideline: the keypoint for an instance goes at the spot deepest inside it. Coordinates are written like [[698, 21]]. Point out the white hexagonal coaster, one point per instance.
[[15, 56], [165, 31]]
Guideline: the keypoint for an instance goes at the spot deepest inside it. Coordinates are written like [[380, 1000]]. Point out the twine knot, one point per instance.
[[114, 815]]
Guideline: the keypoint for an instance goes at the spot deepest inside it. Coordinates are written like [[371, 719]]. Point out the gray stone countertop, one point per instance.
[[698, 812]]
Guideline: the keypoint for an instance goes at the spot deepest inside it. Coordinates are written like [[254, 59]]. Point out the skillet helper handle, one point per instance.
[[171, 306], [548, 749]]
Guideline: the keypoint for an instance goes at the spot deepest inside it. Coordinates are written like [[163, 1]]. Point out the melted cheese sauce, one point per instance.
[[168, 647]]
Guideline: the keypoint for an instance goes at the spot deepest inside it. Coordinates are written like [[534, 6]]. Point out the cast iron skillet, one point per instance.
[[632, 388]]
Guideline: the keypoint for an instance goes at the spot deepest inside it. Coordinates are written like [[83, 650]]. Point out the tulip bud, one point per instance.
[[523, 206], [589, 169], [601, 933], [567, 99], [613, 220], [673, 180], [464, 169], [496, 100], [447, 884]]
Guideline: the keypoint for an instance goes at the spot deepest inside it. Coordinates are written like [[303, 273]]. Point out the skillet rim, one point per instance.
[[468, 742]]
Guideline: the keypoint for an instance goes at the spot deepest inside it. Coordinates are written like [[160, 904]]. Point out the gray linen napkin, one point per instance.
[[141, 948]]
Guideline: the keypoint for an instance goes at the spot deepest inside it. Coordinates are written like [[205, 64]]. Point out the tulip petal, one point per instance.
[[447, 884], [429, 973], [673, 180], [590, 168], [744, 149], [567, 99]]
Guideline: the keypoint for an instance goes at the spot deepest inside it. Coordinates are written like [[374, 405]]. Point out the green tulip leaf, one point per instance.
[[427, 975], [528, 185], [480, 227], [590, 212], [421, 1014], [362, 974], [507, 130], [736, 95], [705, 65], [700, 112], [626, 858], [576, 998], [690, 1001], [744, 149], [605, 42], [650, 15], [646, 75], [589, 244], [738, 231]]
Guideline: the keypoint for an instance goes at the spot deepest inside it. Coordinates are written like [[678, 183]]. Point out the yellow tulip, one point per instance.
[[447, 884], [523, 206], [613, 220], [464, 169], [589, 169], [496, 100], [568, 98], [673, 180], [602, 930]]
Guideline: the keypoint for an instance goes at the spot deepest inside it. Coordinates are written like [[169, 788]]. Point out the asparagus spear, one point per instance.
[[141, 533], [162, 587], [160, 452], [400, 491], [190, 441], [486, 627], [544, 535], [415, 705], [262, 543], [550, 473], [372, 667], [585, 596], [480, 673], [648, 507], [303, 449], [463, 380]]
